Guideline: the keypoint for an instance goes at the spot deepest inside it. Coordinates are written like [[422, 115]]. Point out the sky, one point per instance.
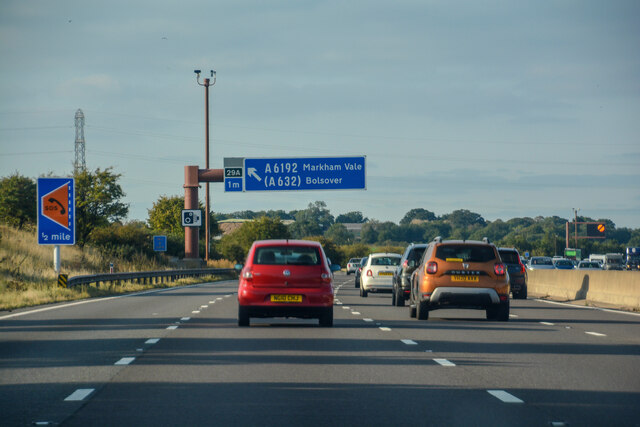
[[505, 108]]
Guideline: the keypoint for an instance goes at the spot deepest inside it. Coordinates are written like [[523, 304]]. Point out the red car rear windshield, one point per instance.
[[467, 253], [286, 255]]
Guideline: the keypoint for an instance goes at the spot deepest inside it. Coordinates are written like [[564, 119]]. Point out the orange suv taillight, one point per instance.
[[432, 267], [499, 269]]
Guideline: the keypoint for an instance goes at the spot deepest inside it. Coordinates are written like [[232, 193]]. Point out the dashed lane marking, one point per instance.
[[368, 320], [172, 327], [504, 396], [409, 342], [125, 361], [185, 319], [444, 362], [355, 312], [79, 394], [547, 323], [384, 328], [152, 341], [596, 334]]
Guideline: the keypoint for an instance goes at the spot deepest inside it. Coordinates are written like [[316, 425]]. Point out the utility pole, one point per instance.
[[575, 213], [206, 84]]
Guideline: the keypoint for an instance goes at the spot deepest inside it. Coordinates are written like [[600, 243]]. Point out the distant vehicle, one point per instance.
[[363, 261], [540, 263], [402, 276], [286, 278], [563, 264], [608, 261], [460, 274], [377, 274], [352, 265], [632, 258], [517, 273], [589, 265]]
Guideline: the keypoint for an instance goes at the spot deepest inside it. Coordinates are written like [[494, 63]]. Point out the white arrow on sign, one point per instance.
[[252, 172]]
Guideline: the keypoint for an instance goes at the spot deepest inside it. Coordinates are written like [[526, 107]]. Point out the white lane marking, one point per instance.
[[504, 396], [185, 319], [195, 312], [547, 323], [608, 310], [409, 342], [338, 303], [204, 306], [79, 394], [172, 327], [355, 312], [152, 341], [344, 307], [513, 315], [596, 334], [368, 320], [384, 328], [125, 361], [93, 300], [218, 299], [444, 362]]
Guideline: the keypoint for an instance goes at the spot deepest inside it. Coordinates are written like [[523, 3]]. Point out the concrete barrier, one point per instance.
[[618, 288]]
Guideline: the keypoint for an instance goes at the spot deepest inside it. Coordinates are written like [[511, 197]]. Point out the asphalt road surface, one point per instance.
[[177, 357]]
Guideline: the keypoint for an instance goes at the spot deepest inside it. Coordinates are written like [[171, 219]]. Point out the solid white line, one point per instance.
[[409, 342], [608, 310], [384, 328], [125, 361], [596, 334], [79, 394], [92, 300], [152, 341], [547, 323], [504, 396], [172, 327], [444, 362]]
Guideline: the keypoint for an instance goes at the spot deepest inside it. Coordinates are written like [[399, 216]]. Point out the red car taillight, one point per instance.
[[247, 275], [405, 264], [326, 277], [499, 269], [522, 269], [432, 267]]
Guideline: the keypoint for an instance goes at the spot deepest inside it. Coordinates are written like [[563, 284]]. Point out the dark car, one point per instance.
[[402, 276], [517, 272], [363, 261]]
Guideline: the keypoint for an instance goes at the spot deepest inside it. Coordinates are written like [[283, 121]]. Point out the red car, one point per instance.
[[286, 278]]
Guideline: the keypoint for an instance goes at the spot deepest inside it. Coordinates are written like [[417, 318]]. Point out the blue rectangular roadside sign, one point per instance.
[[56, 211], [305, 173], [160, 243]]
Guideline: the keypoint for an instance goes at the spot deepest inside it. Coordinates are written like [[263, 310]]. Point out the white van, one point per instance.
[[608, 261]]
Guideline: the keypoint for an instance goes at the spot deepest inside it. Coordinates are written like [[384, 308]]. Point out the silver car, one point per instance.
[[540, 263]]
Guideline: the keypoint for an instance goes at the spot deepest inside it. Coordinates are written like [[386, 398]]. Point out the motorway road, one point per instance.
[[176, 357]]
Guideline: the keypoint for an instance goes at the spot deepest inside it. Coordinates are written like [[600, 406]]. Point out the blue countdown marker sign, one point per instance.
[[308, 173]]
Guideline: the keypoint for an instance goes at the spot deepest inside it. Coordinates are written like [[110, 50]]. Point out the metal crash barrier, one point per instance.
[[147, 277]]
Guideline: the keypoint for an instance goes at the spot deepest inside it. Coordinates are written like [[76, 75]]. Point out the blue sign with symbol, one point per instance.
[[56, 211], [310, 173], [160, 243]]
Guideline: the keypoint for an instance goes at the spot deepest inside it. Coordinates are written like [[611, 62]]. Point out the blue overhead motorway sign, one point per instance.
[[308, 173]]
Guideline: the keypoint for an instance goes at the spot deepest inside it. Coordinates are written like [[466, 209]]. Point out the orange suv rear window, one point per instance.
[[465, 253]]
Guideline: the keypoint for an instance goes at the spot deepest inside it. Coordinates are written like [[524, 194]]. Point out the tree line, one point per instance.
[[101, 222]]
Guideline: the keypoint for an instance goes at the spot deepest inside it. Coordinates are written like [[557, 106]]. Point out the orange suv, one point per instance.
[[460, 274]]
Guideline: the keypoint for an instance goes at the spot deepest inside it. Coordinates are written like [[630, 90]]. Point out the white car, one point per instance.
[[353, 265], [377, 273]]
